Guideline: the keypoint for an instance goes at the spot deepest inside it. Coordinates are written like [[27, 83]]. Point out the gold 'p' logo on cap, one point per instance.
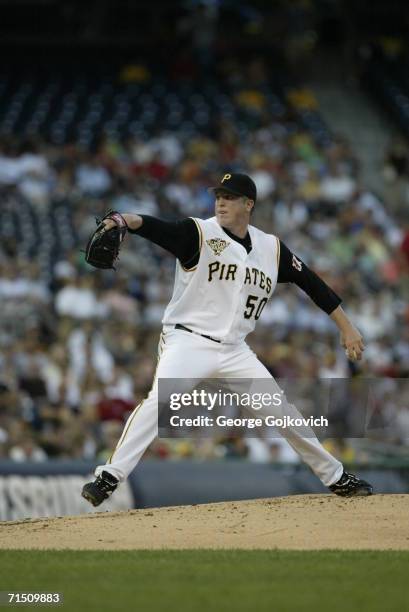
[[226, 177]]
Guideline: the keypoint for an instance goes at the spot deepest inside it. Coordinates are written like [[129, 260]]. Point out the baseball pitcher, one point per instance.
[[226, 271]]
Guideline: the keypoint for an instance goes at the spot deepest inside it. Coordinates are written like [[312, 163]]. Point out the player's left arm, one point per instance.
[[293, 270]]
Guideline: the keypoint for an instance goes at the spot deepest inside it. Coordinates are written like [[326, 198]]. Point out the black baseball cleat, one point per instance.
[[98, 491], [349, 485]]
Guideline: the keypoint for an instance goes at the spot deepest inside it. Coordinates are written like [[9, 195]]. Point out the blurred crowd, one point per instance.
[[78, 346]]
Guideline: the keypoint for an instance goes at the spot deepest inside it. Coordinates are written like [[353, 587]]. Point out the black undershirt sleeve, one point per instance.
[[181, 238], [292, 270]]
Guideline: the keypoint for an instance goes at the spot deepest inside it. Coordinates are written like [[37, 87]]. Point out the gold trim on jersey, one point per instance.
[[200, 245], [161, 346], [121, 440], [123, 436], [278, 254]]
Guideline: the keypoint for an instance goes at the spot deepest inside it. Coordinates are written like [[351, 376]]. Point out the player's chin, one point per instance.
[[222, 217]]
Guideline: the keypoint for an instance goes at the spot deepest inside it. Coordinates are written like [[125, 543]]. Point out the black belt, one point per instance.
[[179, 326]]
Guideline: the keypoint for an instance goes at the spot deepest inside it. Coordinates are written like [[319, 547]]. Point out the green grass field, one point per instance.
[[187, 581]]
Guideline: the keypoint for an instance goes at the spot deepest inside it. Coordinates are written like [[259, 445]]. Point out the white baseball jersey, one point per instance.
[[224, 295]]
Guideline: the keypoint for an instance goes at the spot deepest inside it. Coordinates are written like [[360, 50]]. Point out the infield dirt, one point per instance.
[[299, 522]]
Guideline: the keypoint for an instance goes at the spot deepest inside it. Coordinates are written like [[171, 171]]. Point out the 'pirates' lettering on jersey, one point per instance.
[[258, 277], [221, 271], [225, 294]]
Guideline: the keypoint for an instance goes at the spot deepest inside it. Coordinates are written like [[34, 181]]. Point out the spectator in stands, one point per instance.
[[92, 179], [78, 299], [27, 450]]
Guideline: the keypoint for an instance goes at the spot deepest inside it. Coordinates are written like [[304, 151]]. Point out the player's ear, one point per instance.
[[250, 206]]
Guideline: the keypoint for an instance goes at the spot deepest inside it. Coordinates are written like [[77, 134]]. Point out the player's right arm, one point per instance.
[[294, 270], [181, 238]]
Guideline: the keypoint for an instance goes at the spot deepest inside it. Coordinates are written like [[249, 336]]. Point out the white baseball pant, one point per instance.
[[186, 355]]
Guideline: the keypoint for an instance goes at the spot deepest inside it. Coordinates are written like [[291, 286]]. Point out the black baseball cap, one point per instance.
[[238, 184]]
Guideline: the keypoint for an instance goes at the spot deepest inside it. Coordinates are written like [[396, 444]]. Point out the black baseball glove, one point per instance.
[[104, 245]]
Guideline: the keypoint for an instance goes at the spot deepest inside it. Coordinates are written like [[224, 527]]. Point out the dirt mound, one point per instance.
[[303, 522]]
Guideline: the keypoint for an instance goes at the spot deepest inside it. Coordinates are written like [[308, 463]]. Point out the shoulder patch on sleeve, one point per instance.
[[296, 263]]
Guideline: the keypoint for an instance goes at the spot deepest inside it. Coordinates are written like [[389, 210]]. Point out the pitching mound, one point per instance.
[[302, 522]]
